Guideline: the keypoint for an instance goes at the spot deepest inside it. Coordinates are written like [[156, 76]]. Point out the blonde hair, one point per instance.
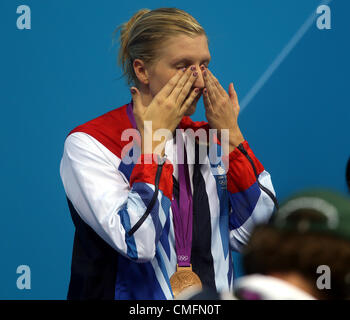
[[144, 34]]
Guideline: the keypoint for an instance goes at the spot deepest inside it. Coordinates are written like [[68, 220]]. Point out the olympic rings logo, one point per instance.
[[182, 258]]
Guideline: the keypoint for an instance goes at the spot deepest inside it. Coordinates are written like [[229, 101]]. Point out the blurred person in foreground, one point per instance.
[[311, 229], [282, 258]]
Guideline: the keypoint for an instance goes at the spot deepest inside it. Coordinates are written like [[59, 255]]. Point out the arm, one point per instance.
[[249, 185], [111, 204], [249, 196]]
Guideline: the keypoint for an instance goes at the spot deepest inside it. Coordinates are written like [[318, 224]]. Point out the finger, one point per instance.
[[216, 82], [184, 83], [170, 85], [211, 89], [207, 103], [194, 95], [184, 91], [231, 92], [198, 96]]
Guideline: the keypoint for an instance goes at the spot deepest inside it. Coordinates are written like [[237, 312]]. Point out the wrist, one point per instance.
[[235, 139]]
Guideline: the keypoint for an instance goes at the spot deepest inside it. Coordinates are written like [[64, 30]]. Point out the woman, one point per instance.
[[149, 230]]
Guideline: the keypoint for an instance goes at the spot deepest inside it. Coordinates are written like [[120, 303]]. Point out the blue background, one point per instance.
[[63, 72]]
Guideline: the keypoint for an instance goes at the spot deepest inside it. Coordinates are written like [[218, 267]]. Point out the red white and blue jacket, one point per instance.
[[108, 198]]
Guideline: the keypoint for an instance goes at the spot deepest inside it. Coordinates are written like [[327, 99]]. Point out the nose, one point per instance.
[[199, 83]]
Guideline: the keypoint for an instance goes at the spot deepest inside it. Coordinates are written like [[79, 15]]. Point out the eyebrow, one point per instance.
[[189, 61]]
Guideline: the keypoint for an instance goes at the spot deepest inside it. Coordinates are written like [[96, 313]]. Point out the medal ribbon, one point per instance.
[[182, 213]]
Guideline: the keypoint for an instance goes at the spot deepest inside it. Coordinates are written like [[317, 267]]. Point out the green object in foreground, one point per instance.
[[315, 211]]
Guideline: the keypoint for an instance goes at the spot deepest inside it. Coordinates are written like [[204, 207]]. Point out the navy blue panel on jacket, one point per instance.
[[94, 264]]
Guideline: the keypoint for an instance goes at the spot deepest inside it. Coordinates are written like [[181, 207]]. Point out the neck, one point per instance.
[[146, 95]]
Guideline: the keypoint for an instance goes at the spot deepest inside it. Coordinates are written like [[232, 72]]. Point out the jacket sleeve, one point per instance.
[[113, 205], [249, 186]]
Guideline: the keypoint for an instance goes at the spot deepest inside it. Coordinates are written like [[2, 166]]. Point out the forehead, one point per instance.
[[184, 47]]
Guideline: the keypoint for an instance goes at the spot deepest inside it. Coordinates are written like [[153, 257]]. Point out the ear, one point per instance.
[[141, 71]]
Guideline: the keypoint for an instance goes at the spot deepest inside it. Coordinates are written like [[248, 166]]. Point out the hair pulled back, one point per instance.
[[147, 30]]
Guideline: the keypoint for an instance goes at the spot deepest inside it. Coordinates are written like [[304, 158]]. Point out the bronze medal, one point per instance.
[[184, 278]]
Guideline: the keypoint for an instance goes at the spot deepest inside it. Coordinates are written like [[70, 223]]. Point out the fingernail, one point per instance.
[[193, 68], [195, 74]]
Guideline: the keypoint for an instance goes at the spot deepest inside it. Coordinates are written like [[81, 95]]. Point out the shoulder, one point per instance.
[[107, 129]]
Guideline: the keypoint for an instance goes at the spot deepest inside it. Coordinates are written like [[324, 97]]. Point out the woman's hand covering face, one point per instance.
[[221, 108], [168, 106]]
